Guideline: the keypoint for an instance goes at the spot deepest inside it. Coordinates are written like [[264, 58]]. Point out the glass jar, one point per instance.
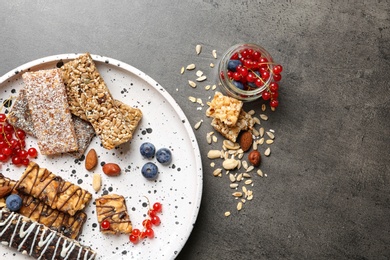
[[240, 85]]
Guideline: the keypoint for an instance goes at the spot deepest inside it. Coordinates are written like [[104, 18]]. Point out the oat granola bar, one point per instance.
[[112, 207], [48, 105], [36, 240], [90, 99], [224, 108], [52, 190]]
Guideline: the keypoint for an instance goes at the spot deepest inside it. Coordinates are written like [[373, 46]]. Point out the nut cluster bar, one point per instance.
[[48, 104], [90, 99], [52, 190], [38, 241]]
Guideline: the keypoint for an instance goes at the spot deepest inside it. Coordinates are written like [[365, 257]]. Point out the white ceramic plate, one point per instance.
[[178, 187]]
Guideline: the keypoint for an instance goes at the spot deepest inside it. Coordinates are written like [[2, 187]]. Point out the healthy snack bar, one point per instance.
[[132, 115], [37, 240], [112, 208], [52, 190], [20, 117], [48, 105], [90, 99], [224, 108]]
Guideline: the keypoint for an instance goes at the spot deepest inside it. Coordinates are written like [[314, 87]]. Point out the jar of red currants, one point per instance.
[[248, 72]]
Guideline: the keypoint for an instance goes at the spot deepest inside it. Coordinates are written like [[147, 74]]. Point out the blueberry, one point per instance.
[[232, 64], [164, 156], [149, 171], [238, 84], [147, 150], [13, 202]]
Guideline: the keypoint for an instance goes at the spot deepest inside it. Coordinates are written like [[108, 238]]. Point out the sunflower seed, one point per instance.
[[192, 99], [214, 154], [212, 65], [263, 107], [207, 87], [248, 182], [217, 172], [273, 108], [182, 70], [214, 87], [202, 78], [260, 173], [215, 139], [199, 101], [227, 213], [250, 168], [261, 131], [269, 141], [255, 132], [244, 190], [191, 83], [230, 145], [261, 140], [232, 178], [237, 194], [245, 164], [239, 177], [251, 112], [233, 185], [191, 66], [199, 73], [271, 135], [198, 49], [214, 52], [240, 155], [264, 117], [267, 151], [208, 137], [254, 145], [256, 120], [197, 125], [246, 175], [250, 197], [239, 206]]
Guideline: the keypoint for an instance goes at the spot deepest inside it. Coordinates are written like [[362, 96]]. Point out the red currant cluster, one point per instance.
[[13, 144], [148, 223], [248, 70]]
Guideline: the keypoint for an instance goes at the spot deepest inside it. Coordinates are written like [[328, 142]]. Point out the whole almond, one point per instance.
[[246, 140], [91, 160], [4, 191], [254, 158], [111, 169]]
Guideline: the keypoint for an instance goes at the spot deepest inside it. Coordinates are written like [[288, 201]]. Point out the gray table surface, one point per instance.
[[327, 193]]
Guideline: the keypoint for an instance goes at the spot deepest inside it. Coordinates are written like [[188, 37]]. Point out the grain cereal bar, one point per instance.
[[89, 95], [112, 207], [52, 190], [48, 104], [224, 108]]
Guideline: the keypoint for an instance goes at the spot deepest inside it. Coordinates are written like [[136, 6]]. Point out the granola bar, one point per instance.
[[90, 99], [112, 207], [52, 190], [48, 105], [224, 108], [36, 240]]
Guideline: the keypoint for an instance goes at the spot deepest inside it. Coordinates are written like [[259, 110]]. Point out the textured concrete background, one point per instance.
[[327, 193]]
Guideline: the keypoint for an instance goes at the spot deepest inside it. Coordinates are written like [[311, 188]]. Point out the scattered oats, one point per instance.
[[248, 182], [191, 66], [207, 87], [217, 172], [271, 135], [251, 112], [214, 154], [227, 213], [250, 168], [214, 87], [269, 141], [267, 151], [199, 73], [212, 164], [256, 120], [215, 139], [202, 78], [214, 52], [239, 206], [237, 194], [232, 178], [182, 70], [261, 130], [264, 117], [192, 84], [233, 185], [192, 99], [260, 172], [261, 141], [263, 107], [212, 65], [198, 49], [197, 125]]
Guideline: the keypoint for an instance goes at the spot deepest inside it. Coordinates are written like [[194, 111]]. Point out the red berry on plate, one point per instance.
[[147, 223], [133, 239], [155, 220], [105, 224], [7, 151], [25, 161], [32, 152], [20, 134], [136, 232], [152, 213], [157, 207], [23, 154], [16, 160], [149, 233], [3, 117], [3, 157], [8, 128]]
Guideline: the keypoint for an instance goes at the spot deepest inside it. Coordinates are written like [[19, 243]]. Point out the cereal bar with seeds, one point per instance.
[[244, 122], [112, 207], [20, 117], [90, 98], [224, 108], [36, 240], [132, 115], [54, 191], [69, 226], [48, 105]]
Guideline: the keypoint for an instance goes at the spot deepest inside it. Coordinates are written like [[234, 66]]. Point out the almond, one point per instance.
[[111, 169], [246, 140], [4, 191], [91, 160]]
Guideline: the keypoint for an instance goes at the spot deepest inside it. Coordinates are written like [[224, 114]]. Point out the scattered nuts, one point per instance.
[[246, 140], [96, 182], [230, 145], [227, 213], [254, 158], [111, 169], [214, 154], [4, 191], [230, 164], [91, 160]]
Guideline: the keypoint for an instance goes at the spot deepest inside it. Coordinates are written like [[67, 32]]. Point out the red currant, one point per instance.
[[274, 103], [265, 75], [250, 77], [105, 224], [236, 76], [16, 160], [263, 60], [7, 151], [277, 77], [25, 161], [134, 239], [244, 72], [147, 223], [234, 56], [23, 154], [274, 95], [256, 55], [3, 157], [3, 117], [274, 86], [3, 144], [149, 233], [156, 220], [151, 213], [20, 134], [136, 232], [266, 95], [277, 69], [8, 128], [259, 82], [157, 207], [32, 152]]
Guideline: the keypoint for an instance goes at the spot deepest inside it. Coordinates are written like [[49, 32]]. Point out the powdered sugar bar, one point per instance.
[[38, 241], [48, 104]]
